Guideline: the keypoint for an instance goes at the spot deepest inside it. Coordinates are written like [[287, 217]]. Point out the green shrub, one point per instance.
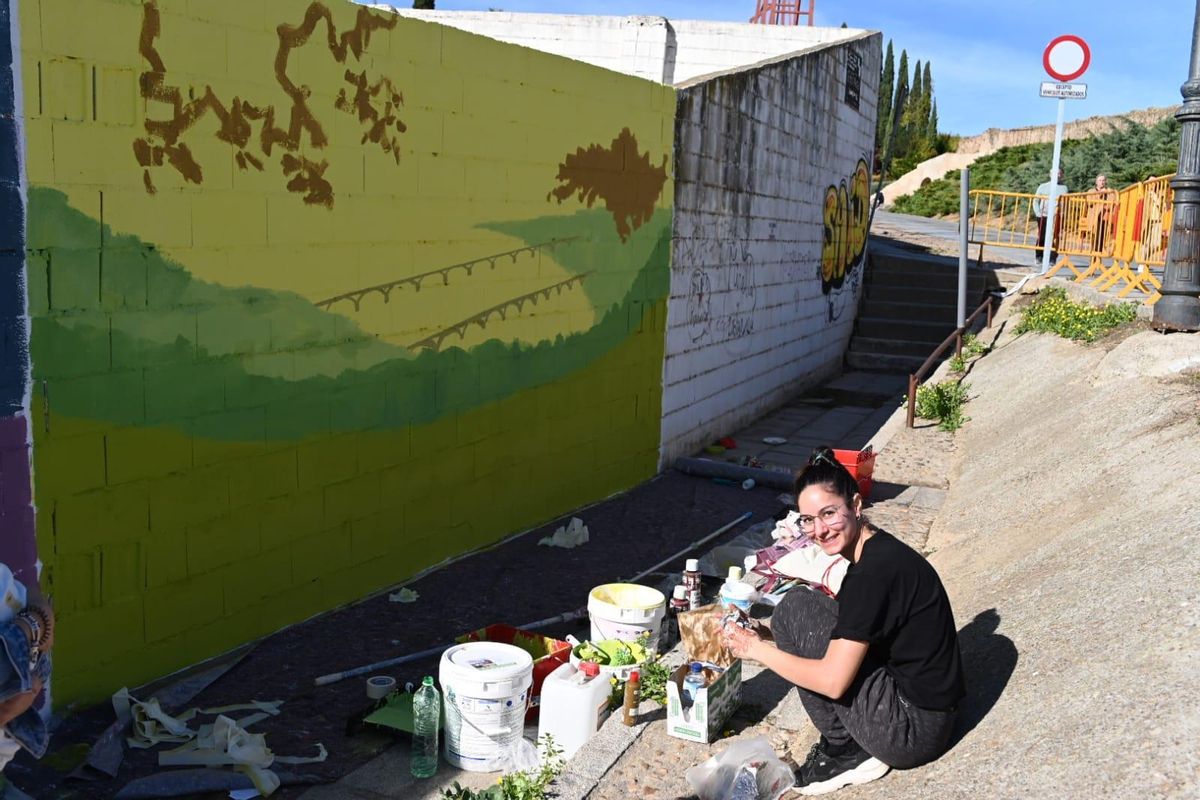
[[1052, 312], [944, 402]]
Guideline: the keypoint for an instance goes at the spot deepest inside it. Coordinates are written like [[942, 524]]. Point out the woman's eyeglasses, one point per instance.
[[828, 515]]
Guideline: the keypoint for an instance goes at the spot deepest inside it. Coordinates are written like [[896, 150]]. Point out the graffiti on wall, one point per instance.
[[620, 176], [846, 212], [722, 292], [375, 103]]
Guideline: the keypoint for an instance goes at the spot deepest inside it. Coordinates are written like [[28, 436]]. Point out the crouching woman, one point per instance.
[[878, 669]]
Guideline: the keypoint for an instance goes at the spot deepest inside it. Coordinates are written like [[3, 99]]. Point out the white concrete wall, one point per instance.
[[749, 320], [705, 47], [668, 51]]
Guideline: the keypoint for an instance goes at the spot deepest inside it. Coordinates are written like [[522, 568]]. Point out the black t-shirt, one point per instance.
[[893, 600]]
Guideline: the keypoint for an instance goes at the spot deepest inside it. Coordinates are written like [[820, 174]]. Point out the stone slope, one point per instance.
[[1067, 542]]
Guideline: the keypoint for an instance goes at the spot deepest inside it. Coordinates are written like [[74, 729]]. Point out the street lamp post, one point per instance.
[[1179, 307]]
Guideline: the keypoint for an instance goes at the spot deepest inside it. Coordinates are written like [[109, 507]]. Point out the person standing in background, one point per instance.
[[1041, 207], [1102, 203]]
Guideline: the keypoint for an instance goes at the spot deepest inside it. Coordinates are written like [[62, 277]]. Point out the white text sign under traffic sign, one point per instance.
[[1067, 91]]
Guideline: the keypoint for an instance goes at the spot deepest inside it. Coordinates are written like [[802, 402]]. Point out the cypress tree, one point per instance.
[[887, 85], [918, 89], [899, 107], [425, 5], [932, 130], [902, 74]]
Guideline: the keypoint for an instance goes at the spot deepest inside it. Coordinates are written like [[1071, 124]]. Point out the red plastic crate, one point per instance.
[[861, 464], [548, 655]]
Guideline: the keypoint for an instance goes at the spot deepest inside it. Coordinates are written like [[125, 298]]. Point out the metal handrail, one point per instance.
[[915, 378]]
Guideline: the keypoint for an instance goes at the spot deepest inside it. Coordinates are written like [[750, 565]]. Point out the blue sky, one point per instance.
[[986, 54]]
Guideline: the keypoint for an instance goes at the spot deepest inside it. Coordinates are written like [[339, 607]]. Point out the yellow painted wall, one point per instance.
[[235, 429]]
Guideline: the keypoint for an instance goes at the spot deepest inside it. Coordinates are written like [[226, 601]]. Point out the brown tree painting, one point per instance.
[[617, 174]]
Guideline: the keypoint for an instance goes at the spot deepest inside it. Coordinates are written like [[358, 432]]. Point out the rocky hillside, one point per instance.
[[994, 138]]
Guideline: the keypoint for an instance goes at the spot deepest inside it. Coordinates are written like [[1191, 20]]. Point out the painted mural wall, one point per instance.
[[17, 548], [771, 204], [302, 276]]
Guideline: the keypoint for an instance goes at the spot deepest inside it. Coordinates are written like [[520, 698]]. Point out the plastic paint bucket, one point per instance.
[[738, 594], [486, 687], [625, 611]]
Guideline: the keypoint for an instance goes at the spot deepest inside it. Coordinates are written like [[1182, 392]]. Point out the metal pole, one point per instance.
[[1053, 208], [1179, 307], [964, 189]]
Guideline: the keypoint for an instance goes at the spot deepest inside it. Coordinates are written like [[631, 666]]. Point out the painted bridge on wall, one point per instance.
[[282, 280]]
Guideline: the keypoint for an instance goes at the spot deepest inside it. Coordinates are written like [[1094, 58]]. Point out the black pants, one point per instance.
[[1041, 238], [872, 712]]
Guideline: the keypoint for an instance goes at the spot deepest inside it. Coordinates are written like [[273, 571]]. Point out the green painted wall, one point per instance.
[[302, 276]]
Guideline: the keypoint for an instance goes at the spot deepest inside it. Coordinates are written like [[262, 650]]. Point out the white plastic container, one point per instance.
[[625, 611], [486, 686], [574, 706], [739, 594]]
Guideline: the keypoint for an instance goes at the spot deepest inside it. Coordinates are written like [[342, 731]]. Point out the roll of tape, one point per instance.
[[748, 484], [378, 686]]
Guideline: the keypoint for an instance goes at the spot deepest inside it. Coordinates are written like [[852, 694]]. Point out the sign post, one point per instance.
[[1064, 59]]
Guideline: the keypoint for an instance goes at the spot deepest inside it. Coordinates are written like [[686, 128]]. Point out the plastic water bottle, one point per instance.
[[427, 718], [693, 682]]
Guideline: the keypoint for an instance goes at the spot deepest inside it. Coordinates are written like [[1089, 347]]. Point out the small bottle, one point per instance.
[[633, 687], [427, 718], [693, 682], [670, 623], [691, 580]]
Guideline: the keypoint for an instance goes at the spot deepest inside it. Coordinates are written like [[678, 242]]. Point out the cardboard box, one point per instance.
[[715, 703]]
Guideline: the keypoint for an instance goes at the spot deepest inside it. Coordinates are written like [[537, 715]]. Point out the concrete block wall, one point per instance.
[[770, 224], [302, 275]]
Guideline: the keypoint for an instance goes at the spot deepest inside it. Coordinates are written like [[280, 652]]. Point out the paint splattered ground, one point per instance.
[[516, 582]]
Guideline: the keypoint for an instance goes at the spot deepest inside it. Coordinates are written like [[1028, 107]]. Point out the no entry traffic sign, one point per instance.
[[1066, 58]]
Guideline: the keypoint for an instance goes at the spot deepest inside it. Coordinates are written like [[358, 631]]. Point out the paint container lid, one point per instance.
[[692, 565], [735, 573], [679, 592]]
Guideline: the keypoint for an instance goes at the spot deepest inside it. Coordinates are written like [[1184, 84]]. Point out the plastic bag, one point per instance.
[[521, 756], [700, 630], [746, 770]]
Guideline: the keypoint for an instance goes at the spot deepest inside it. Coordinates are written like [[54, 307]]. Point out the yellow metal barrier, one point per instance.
[[1122, 235]]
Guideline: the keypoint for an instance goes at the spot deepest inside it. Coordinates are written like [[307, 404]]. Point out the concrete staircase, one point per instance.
[[909, 306]]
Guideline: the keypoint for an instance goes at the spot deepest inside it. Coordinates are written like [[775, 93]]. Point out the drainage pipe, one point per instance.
[[704, 468]]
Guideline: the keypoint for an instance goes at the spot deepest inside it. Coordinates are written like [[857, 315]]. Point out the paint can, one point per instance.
[[626, 611], [486, 687]]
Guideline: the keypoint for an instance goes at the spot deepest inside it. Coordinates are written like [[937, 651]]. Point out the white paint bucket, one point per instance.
[[486, 686], [625, 611]]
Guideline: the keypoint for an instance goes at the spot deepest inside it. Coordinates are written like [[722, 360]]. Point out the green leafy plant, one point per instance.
[[522, 785], [958, 364], [1126, 155], [944, 402], [972, 347], [654, 677], [1052, 312]]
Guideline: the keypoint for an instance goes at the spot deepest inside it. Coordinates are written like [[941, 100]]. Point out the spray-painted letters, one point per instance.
[[846, 211]]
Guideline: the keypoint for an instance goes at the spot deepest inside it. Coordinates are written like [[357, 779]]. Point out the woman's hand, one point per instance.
[[18, 704], [741, 642]]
